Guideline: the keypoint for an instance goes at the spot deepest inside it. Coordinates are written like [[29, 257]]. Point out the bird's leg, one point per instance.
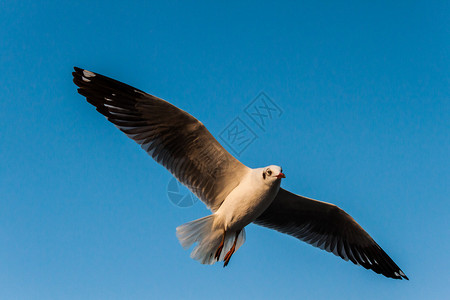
[[220, 248], [232, 250]]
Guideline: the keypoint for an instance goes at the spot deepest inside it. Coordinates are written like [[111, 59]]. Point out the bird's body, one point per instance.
[[236, 194], [247, 201], [242, 206]]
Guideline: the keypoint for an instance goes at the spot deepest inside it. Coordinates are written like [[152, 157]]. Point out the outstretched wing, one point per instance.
[[327, 227], [174, 138]]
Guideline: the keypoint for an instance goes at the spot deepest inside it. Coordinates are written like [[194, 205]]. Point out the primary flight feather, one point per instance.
[[236, 194]]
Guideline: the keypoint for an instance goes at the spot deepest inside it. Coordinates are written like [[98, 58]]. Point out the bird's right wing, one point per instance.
[[170, 135], [327, 227]]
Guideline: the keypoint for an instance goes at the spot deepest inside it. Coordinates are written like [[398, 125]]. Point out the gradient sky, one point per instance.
[[364, 90]]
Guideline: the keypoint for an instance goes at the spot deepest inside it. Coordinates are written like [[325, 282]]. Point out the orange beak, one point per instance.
[[281, 175]]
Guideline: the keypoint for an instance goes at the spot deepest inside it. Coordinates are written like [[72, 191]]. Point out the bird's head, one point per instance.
[[272, 173]]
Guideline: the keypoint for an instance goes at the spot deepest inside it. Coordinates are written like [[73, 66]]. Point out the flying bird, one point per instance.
[[236, 194]]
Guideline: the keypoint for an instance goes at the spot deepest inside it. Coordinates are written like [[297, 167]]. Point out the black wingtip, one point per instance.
[[77, 73], [78, 70], [403, 275]]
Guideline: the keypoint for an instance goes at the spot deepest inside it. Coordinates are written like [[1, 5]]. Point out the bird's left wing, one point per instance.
[[174, 138], [327, 227]]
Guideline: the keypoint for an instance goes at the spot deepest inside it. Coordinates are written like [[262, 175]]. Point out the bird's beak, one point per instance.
[[281, 175]]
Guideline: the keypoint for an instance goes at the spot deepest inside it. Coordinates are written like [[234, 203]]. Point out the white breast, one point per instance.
[[247, 201]]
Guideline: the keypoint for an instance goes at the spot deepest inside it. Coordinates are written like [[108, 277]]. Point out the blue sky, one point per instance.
[[364, 90]]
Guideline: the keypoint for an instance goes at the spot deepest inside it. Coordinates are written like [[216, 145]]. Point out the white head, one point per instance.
[[272, 174]]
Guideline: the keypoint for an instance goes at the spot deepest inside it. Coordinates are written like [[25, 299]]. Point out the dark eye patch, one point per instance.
[[264, 175]]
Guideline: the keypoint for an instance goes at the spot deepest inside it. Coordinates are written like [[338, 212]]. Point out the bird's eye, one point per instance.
[[269, 172]]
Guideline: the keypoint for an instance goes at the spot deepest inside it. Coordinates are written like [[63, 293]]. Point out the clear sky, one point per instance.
[[365, 99]]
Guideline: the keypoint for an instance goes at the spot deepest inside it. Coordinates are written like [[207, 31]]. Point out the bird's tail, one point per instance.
[[208, 238]]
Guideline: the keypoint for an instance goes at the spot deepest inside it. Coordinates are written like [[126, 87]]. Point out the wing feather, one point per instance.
[[171, 136], [327, 227]]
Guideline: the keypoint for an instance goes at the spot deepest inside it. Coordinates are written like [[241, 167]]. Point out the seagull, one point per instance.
[[236, 194]]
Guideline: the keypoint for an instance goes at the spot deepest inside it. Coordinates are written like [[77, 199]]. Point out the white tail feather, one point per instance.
[[208, 237]]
